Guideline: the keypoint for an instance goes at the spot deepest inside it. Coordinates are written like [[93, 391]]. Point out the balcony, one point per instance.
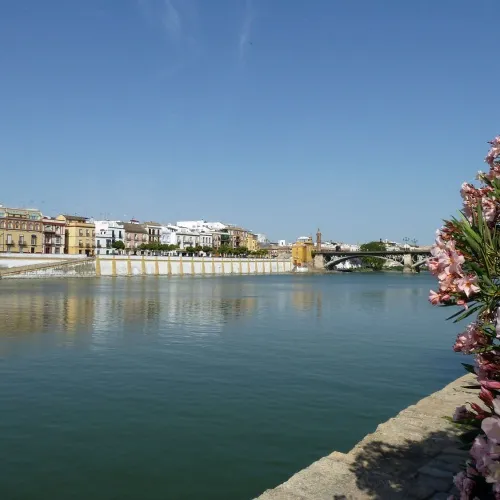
[[49, 229], [22, 243]]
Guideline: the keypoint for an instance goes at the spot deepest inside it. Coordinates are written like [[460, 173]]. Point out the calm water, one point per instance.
[[208, 388]]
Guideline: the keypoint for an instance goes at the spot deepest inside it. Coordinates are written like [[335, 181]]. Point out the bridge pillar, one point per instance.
[[319, 261], [407, 263]]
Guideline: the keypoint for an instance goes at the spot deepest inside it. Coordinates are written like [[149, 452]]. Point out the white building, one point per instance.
[[106, 233], [198, 225], [183, 237], [282, 243], [262, 238]]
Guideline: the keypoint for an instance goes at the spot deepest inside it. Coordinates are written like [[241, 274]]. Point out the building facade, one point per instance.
[[154, 231], [238, 236], [21, 230], [135, 235], [252, 243], [107, 233], [79, 235], [54, 235]]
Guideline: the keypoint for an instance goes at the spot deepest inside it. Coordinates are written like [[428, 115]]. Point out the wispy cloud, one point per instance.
[[172, 21], [245, 32]]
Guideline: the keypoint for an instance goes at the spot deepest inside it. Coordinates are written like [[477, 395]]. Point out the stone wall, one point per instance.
[[122, 265]]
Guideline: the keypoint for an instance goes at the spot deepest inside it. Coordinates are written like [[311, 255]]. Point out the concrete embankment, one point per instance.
[[181, 266], [411, 456], [122, 265]]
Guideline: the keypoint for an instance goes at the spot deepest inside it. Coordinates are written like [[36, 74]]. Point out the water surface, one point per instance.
[[220, 387]]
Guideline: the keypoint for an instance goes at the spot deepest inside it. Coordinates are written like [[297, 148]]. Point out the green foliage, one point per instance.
[[118, 245], [375, 263]]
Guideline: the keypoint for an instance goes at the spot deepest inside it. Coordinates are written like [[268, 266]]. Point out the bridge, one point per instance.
[[411, 260]]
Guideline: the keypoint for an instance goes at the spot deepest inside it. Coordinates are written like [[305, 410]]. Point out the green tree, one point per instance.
[[375, 263], [225, 250], [207, 249], [118, 245]]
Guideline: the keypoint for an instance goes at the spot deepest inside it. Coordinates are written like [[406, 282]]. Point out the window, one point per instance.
[[23, 226], [37, 227], [87, 233], [17, 225], [57, 250], [33, 239], [30, 227], [2, 223], [80, 232], [119, 234], [9, 239], [21, 240], [80, 243], [9, 225], [93, 233]]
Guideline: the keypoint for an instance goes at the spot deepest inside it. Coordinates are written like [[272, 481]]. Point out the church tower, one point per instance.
[[318, 240]]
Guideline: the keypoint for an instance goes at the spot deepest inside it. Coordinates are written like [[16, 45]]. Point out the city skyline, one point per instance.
[[357, 118]]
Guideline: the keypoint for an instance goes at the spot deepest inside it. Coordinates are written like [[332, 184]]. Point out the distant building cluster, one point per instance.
[[27, 230]]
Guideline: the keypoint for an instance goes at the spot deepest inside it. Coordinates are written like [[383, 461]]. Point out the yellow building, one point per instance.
[[251, 242], [21, 230], [80, 235], [302, 251]]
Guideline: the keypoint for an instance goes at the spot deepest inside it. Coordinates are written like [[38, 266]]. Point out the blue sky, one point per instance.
[[359, 117]]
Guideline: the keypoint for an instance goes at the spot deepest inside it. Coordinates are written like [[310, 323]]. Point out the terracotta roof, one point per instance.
[[134, 228], [150, 223], [75, 217]]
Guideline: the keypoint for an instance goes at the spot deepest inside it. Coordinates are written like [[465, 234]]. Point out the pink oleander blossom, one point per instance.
[[479, 452], [462, 413], [491, 427], [465, 485], [470, 339], [467, 284], [489, 207]]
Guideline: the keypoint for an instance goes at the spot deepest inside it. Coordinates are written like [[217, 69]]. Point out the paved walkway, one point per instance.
[[412, 456]]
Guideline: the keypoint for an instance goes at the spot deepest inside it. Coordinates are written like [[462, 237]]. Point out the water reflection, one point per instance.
[[143, 305]]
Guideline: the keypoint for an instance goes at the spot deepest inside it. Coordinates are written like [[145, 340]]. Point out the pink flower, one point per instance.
[[462, 413], [479, 452], [465, 485], [491, 427], [433, 265], [469, 340], [489, 207], [434, 298], [490, 384], [467, 284], [486, 397], [497, 323]]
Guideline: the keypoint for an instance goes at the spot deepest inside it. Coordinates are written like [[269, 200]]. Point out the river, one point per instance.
[[183, 388]]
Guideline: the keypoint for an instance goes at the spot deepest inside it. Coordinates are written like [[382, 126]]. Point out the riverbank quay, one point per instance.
[[412, 456], [129, 266]]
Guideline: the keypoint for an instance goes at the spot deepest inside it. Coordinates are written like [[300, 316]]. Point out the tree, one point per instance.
[[207, 249], [118, 245], [225, 250], [376, 263]]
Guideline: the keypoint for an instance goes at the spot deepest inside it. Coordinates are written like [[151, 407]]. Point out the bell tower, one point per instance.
[[318, 240]]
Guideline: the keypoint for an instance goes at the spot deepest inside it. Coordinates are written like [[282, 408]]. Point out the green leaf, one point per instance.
[[469, 368]]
